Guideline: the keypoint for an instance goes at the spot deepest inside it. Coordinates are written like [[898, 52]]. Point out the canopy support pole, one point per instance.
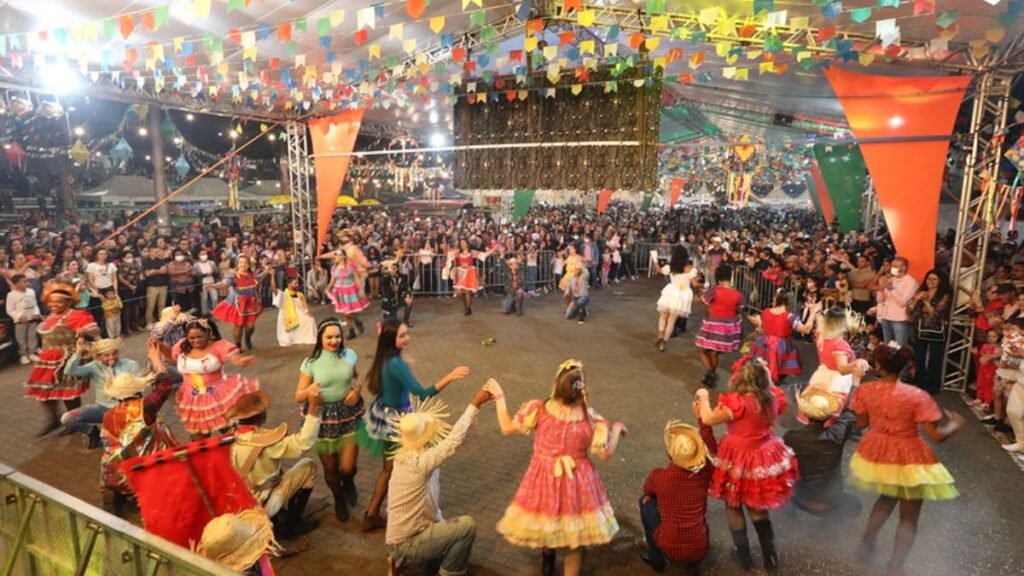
[[163, 213], [303, 229]]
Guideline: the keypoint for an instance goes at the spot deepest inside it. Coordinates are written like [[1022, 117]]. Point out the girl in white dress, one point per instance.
[[677, 296]]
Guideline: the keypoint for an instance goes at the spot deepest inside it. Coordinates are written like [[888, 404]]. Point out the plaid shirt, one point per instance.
[[682, 502]]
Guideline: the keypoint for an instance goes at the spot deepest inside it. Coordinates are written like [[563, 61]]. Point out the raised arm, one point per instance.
[[719, 415], [506, 422]]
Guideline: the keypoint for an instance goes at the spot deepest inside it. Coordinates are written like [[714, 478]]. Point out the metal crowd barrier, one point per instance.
[[45, 531], [650, 256], [426, 274], [758, 291]]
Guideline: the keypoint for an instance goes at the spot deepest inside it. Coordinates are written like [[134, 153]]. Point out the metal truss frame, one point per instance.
[[872, 217], [981, 172], [303, 228]]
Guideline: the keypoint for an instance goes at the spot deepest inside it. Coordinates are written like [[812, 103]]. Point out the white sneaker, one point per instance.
[[33, 357], [24, 360], [1017, 447]]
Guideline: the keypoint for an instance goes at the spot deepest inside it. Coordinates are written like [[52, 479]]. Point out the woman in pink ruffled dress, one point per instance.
[[560, 503]]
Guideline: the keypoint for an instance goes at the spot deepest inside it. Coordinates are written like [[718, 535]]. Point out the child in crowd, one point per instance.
[[1007, 372], [558, 264], [112, 312], [987, 355], [606, 267], [23, 308]]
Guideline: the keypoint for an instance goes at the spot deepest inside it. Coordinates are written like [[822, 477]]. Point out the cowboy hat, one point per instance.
[[237, 541], [422, 428], [126, 385], [685, 447], [105, 346], [248, 405], [818, 404], [61, 290]]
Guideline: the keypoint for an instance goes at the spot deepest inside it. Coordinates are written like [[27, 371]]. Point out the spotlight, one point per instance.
[[143, 132], [438, 140], [59, 78], [896, 121], [189, 117], [79, 131], [148, 158], [271, 137], [433, 116], [233, 134]]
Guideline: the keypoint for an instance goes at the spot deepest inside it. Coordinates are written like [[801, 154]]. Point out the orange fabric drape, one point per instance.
[[907, 175], [603, 198], [677, 189], [821, 191], [335, 134]]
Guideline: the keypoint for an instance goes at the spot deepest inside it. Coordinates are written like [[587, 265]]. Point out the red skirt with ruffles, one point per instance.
[[244, 313], [760, 475], [47, 380]]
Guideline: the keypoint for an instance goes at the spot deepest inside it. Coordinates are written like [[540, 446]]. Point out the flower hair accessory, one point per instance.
[[201, 323], [569, 365]]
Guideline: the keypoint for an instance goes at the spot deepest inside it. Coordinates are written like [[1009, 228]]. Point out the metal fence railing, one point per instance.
[[650, 256], [433, 275], [46, 531], [758, 291]]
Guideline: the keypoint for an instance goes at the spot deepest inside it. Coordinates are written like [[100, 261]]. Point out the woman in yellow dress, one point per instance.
[[573, 262]]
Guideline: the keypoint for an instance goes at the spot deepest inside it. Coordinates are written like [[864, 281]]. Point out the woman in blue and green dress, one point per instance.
[[333, 367]]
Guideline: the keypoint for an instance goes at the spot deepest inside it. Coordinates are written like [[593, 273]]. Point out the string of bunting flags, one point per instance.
[[116, 50]]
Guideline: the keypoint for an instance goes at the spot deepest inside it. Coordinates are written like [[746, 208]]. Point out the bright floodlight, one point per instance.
[[59, 78], [143, 132], [189, 117], [233, 134], [438, 140], [79, 131], [433, 116], [896, 121]]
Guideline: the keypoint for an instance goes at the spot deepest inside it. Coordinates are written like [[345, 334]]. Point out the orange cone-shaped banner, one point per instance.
[[333, 135], [907, 174], [676, 187], [820, 191], [603, 198]]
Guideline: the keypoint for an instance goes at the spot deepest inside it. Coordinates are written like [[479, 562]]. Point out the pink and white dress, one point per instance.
[[207, 391], [560, 502]]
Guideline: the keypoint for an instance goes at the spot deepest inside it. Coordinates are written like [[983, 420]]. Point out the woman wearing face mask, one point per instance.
[[207, 391], [129, 289], [242, 307], [207, 272]]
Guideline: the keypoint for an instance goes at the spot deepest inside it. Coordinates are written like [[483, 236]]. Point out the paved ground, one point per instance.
[[630, 381]]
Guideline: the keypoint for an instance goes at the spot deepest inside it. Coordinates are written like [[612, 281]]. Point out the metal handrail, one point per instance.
[[40, 526]]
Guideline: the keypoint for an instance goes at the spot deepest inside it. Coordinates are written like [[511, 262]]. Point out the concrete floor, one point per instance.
[[629, 380]]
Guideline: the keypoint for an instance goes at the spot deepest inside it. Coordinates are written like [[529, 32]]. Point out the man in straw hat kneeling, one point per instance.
[[257, 454], [819, 453], [132, 426], [674, 503], [106, 364], [416, 531]]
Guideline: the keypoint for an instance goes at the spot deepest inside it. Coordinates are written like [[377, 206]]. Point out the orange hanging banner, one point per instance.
[[676, 186], [918, 113], [332, 135], [821, 193], [603, 198]]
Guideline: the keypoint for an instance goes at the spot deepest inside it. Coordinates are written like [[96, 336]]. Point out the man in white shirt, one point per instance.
[[416, 530], [23, 308]]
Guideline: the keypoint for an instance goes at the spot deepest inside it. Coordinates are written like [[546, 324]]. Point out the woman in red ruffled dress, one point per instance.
[[242, 307], [59, 331], [754, 469]]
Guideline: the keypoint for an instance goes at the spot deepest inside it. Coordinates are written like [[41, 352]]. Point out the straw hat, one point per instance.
[[248, 405], [105, 345], [818, 404], [237, 541], [126, 385], [422, 428], [61, 290], [685, 447], [385, 264]]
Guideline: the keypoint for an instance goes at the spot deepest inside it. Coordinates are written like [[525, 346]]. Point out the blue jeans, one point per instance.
[[449, 541], [579, 307], [898, 331], [84, 418], [650, 517], [531, 278]]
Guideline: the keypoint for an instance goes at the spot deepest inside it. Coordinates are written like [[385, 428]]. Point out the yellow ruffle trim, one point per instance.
[[903, 481], [532, 530]]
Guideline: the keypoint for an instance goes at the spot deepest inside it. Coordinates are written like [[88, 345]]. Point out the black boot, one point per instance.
[[547, 562], [351, 334], [248, 341], [348, 485], [359, 326], [742, 552], [93, 439], [295, 525], [766, 535]]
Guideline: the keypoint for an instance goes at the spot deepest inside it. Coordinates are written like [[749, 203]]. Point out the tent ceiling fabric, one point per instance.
[[794, 92]]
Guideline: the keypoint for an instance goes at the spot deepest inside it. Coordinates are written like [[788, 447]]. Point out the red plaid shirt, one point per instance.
[[682, 502]]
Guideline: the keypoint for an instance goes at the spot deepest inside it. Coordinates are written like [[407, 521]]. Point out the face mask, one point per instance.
[[179, 258], [203, 257], [894, 271]]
